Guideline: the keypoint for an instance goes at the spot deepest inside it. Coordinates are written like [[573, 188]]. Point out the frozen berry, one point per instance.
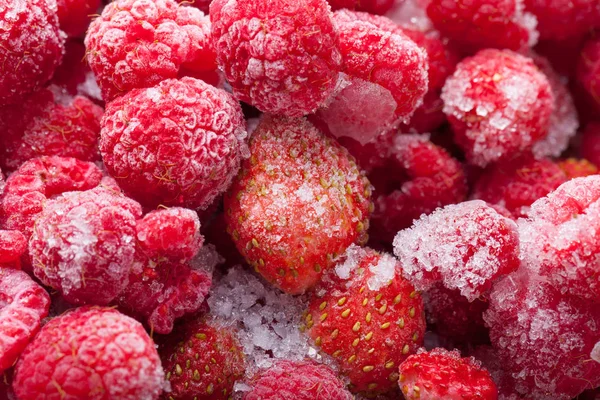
[[13, 244], [178, 143], [90, 353], [428, 117], [298, 202], [75, 15], [371, 6], [443, 374], [563, 19], [499, 104], [368, 318], [280, 56], [301, 380], [31, 47], [203, 5], [590, 143], [588, 69], [466, 246], [138, 43], [577, 168]]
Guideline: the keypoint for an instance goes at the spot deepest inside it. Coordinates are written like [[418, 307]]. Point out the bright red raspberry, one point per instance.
[[138, 43], [590, 143], [203, 360], [13, 244], [588, 69], [466, 246], [75, 15], [499, 104], [90, 353], [443, 374], [563, 19], [371, 6], [31, 47], [577, 168], [298, 202], [178, 143], [368, 318], [280, 56], [516, 185], [23, 305], [300, 380]]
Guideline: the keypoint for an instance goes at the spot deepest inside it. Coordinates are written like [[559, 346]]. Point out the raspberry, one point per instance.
[[298, 202], [138, 43], [300, 380], [281, 57], [203, 361], [516, 185], [201, 4], [371, 6], [31, 47], [466, 246], [90, 353], [588, 69], [49, 123], [563, 19], [23, 304], [178, 143], [428, 117], [368, 318], [590, 143], [574, 168], [499, 104], [75, 15], [13, 244]]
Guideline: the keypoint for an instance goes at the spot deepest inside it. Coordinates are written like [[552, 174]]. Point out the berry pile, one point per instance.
[[299, 199]]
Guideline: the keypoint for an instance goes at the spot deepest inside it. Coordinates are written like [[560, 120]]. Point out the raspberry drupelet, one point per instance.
[[75, 15]]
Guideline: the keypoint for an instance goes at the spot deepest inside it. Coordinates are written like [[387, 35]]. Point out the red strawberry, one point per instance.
[[368, 318]]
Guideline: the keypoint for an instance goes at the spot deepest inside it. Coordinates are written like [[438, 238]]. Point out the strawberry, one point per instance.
[[368, 318]]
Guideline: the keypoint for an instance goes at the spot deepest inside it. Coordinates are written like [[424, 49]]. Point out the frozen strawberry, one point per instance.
[[443, 374], [31, 47], [588, 69], [280, 56], [138, 43], [517, 184], [590, 143], [298, 202], [499, 104], [177, 144], [466, 246], [13, 244], [371, 6], [368, 318], [577, 168], [563, 19], [23, 305], [90, 353], [75, 15], [300, 380], [202, 360]]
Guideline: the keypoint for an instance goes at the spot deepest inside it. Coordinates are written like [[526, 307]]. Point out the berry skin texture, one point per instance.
[[498, 104], [13, 244], [280, 56], [176, 144], [75, 15], [577, 168], [590, 143], [443, 374], [202, 361], [298, 202], [378, 7], [564, 19], [300, 380], [31, 47], [369, 319], [138, 43], [588, 70], [90, 353], [23, 305]]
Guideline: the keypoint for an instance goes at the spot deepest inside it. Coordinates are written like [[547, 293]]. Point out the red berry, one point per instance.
[[499, 104], [371, 6], [563, 19], [428, 117], [577, 168], [201, 4], [90, 353], [300, 380], [298, 202], [202, 361], [13, 244], [31, 47], [138, 43], [368, 318], [178, 143], [280, 56], [75, 15], [588, 70], [443, 374], [590, 143]]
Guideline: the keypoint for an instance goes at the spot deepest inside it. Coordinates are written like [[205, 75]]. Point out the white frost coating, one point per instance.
[[411, 13], [595, 354], [352, 259], [383, 272]]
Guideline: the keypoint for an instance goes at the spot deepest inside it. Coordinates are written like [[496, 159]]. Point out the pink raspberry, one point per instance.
[[280, 56], [590, 143], [138, 43], [563, 19], [31, 47], [371, 6], [499, 104], [75, 15], [178, 143], [466, 246], [90, 353], [13, 244], [588, 70]]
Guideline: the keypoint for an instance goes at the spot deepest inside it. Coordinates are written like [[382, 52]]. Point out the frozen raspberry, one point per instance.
[[202, 361], [13, 244], [483, 24], [499, 104], [590, 143], [31, 47], [23, 304], [298, 202], [368, 318], [371, 6], [75, 15], [280, 56], [203, 5], [466, 246], [178, 143], [138, 43], [428, 117], [516, 185], [577, 168], [588, 69], [90, 353], [563, 19], [300, 380]]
